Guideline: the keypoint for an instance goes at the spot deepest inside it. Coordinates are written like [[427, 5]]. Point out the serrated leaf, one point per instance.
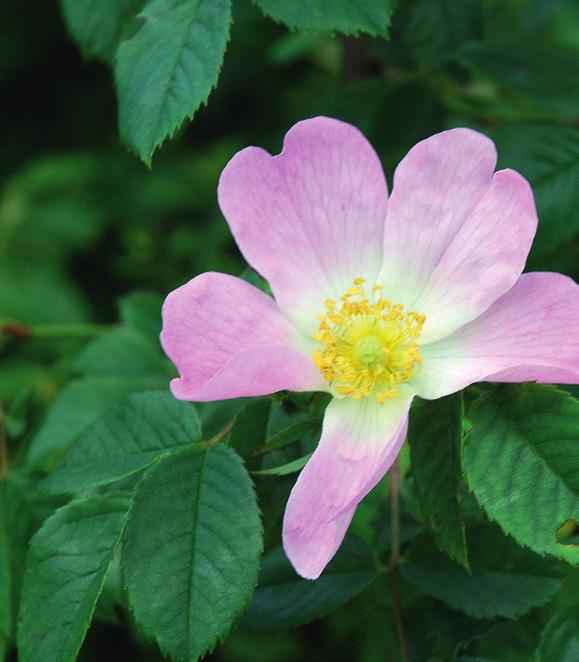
[[435, 436], [191, 549], [560, 638], [346, 16], [125, 440], [168, 68], [66, 566], [96, 25], [285, 600], [75, 408], [436, 28], [548, 156], [506, 580], [521, 459]]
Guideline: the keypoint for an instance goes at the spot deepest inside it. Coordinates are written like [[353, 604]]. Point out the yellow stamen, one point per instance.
[[368, 344]]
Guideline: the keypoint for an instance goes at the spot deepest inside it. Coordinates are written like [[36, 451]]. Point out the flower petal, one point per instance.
[[529, 334], [485, 258], [437, 187], [360, 441], [311, 219], [228, 340]]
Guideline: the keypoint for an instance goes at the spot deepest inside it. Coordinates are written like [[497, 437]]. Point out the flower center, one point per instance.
[[368, 344]]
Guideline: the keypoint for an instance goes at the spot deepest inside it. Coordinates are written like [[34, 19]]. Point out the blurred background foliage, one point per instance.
[[91, 239]]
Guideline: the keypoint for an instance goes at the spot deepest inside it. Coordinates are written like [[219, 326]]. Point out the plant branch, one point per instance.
[[394, 476]]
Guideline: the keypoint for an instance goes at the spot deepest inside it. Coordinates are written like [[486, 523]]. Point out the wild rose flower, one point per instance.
[[376, 300]]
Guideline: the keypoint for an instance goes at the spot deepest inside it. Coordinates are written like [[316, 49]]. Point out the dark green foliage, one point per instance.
[[285, 600], [505, 580]]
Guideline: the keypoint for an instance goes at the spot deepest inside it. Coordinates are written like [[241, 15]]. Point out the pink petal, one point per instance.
[[485, 258], [228, 339], [430, 235], [311, 219], [360, 440], [529, 334]]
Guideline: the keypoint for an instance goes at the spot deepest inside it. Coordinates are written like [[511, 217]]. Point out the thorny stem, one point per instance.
[[3, 447], [394, 475]]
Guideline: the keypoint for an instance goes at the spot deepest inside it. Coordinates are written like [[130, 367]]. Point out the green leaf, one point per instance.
[[506, 580], [549, 78], [168, 68], [75, 408], [289, 435], [285, 600], [435, 435], [436, 28], [286, 468], [66, 567], [522, 463], [141, 312], [191, 549], [123, 352], [96, 25], [250, 427], [346, 16], [16, 527], [560, 638], [125, 440], [548, 156]]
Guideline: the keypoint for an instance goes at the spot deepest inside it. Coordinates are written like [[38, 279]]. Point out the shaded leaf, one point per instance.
[[560, 638], [435, 435], [436, 28], [96, 25], [548, 155], [285, 600], [250, 427], [506, 580]]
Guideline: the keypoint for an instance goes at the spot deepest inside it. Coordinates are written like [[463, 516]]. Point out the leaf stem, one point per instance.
[[219, 436], [20, 331], [394, 475]]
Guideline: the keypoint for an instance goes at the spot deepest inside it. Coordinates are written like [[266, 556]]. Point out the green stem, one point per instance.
[[23, 331]]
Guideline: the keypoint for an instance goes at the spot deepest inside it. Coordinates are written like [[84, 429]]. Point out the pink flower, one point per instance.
[[376, 300]]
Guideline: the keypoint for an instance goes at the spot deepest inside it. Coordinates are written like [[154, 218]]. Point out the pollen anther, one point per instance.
[[369, 345]]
